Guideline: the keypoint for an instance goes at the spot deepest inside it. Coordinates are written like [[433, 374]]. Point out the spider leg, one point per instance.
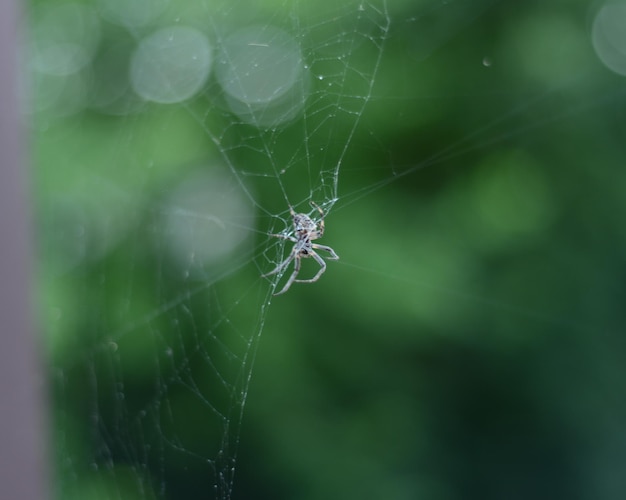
[[286, 262], [333, 255], [283, 237], [292, 278], [282, 265], [320, 232], [322, 264]]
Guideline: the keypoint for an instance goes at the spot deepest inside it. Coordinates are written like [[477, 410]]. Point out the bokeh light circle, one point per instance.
[[171, 65]]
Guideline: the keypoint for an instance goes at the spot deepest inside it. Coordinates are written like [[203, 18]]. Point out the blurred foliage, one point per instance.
[[468, 344]]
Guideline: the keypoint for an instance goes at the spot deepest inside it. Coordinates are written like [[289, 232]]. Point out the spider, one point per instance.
[[305, 231]]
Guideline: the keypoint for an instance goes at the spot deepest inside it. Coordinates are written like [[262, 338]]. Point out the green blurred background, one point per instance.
[[470, 342]]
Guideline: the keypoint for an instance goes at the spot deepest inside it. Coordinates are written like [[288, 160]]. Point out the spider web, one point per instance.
[[152, 370], [171, 142]]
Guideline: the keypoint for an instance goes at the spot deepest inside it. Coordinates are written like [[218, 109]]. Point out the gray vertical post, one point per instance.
[[23, 454]]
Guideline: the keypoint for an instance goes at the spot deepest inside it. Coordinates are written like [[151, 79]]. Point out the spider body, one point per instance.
[[305, 231]]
